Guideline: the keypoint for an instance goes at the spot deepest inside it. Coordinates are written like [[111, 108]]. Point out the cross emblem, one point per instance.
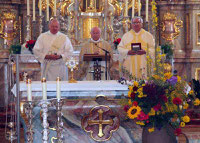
[[100, 122]]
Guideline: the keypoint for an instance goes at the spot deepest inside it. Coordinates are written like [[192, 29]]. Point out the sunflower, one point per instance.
[[133, 112], [186, 119], [151, 129], [182, 124]]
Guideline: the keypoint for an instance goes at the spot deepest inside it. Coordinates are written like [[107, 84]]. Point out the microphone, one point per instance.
[[101, 48]]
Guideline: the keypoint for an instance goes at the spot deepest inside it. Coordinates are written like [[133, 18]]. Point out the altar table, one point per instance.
[[85, 102]]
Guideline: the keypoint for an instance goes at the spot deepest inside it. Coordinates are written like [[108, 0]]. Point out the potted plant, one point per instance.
[[158, 105], [15, 49]]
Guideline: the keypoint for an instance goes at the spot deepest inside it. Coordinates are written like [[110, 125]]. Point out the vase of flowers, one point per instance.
[[158, 104], [30, 44]]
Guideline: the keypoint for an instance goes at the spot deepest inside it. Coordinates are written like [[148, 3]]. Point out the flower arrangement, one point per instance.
[[116, 42], [30, 44], [159, 101]]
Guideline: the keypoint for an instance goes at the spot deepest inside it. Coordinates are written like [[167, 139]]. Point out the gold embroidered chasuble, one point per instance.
[[136, 64], [91, 47]]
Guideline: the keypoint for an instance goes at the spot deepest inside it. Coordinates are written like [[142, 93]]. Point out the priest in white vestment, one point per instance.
[[136, 62], [52, 49], [95, 45]]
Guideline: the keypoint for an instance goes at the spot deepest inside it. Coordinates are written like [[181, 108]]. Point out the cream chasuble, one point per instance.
[[91, 47], [136, 64], [48, 43]]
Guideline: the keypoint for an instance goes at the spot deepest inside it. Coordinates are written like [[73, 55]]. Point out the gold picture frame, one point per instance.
[[8, 25], [170, 26], [198, 29]]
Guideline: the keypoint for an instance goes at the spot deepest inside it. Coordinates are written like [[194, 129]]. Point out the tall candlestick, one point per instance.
[[58, 88], [44, 89], [126, 8], [28, 7], [147, 10], [133, 8], [139, 8], [55, 7], [40, 7], [33, 10], [29, 96], [47, 10]]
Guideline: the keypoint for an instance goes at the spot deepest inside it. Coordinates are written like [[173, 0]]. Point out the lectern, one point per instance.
[[96, 58]]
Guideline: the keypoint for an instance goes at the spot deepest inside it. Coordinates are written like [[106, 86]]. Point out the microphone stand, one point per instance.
[[106, 54]]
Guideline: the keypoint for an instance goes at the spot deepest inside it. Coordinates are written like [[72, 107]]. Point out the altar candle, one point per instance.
[[147, 10], [28, 7], [55, 7], [40, 7], [44, 89], [29, 96], [126, 8], [139, 8], [47, 10], [58, 88], [33, 10], [133, 8]]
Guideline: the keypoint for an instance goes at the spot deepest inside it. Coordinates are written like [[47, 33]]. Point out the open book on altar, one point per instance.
[[95, 57]]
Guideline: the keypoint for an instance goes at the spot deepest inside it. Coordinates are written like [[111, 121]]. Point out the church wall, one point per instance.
[[186, 50]]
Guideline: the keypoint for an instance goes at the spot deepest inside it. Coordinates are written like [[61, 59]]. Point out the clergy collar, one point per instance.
[[95, 41], [54, 34], [137, 33]]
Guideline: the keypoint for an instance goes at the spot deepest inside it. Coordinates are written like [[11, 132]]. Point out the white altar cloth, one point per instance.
[[109, 88]]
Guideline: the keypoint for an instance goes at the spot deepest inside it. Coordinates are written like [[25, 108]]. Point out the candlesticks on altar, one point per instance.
[[29, 95], [55, 1], [126, 8], [133, 8], [147, 9], [139, 14], [58, 88], [28, 7], [47, 10], [40, 7], [33, 10], [44, 89]]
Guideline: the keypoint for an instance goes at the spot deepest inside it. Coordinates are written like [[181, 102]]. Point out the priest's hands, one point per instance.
[[139, 52], [53, 57]]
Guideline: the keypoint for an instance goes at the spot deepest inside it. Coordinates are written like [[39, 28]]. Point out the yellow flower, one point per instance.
[[191, 92], [178, 78], [129, 102], [140, 123], [186, 119], [182, 124], [185, 106], [143, 84], [151, 129], [133, 112], [197, 102], [167, 75], [135, 83], [130, 88], [140, 95], [129, 94], [152, 112]]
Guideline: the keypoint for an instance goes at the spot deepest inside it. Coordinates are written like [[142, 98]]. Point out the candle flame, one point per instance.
[[43, 79]]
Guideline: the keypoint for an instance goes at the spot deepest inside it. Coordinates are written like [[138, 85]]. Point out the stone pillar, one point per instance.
[[4, 79]]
